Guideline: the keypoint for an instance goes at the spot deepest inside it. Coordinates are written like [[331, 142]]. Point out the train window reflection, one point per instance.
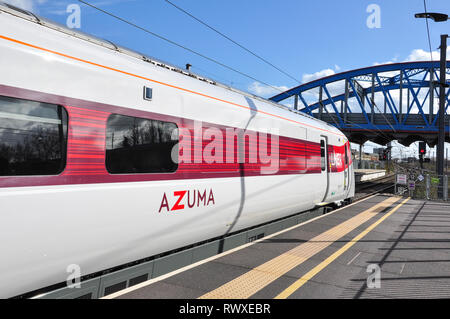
[[136, 145], [323, 162], [33, 138]]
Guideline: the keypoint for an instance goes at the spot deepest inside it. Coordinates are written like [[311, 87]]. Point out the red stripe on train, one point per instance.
[[86, 149]]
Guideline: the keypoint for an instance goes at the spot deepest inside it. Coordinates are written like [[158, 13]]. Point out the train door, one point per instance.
[[346, 169], [325, 177], [349, 170]]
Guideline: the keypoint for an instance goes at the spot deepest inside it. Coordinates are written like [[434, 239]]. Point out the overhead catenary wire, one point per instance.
[[428, 29], [233, 41], [214, 75], [183, 47], [389, 123], [381, 134], [178, 45], [387, 137]]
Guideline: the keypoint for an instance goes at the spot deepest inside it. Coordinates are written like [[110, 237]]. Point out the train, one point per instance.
[[109, 156]]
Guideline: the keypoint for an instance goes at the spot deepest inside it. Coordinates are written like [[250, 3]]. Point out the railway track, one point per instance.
[[382, 184]]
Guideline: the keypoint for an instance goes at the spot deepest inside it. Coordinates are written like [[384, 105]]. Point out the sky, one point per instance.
[[306, 39]]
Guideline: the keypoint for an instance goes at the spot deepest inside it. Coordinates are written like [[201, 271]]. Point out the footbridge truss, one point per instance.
[[398, 101]]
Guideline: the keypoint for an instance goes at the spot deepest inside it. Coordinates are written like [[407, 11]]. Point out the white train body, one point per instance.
[[87, 216]]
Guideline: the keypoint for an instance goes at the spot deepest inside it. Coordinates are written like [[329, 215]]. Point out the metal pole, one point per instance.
[[401, 98], [389, 149], [360, 156], [446, 161], [441, 135], [372, 102], [346, 100], [409, 100], [445, 187], [430, 117], [320, 103]]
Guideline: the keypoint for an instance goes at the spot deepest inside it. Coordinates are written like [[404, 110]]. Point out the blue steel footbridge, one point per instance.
[[381, 103]]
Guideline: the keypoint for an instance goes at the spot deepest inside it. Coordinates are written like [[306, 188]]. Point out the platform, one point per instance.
[[364, 175], [336, 255]]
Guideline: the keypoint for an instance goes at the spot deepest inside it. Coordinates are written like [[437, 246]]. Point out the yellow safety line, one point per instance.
[[299, 283], [256, 279]]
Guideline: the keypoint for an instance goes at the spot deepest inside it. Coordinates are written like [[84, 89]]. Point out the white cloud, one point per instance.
[[267, 91], [24, 4], [422, 55], [314, 76], [336, 88], [29, 5], [264, 90], [417, 55]]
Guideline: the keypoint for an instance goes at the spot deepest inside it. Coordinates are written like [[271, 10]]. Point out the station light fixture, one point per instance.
[[437, 17]]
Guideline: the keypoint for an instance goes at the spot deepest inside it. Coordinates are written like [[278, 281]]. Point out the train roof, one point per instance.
[[30, 16]]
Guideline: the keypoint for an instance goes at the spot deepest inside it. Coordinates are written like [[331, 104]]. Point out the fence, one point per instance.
[[364, 164], [421, 184]]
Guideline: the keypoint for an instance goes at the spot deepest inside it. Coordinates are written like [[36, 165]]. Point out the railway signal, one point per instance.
[[422, 148], [422, 152], [384, 156]]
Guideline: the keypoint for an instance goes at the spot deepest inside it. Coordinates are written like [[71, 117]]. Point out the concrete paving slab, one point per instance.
[[411, 247]]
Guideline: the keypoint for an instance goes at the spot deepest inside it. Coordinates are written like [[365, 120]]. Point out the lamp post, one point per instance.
[[441, 136], [440, 17]]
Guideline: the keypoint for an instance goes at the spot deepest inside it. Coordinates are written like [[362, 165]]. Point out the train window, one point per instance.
[[323, 162], [33, 138], [346, 155], [148, 93], [137, 145]]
